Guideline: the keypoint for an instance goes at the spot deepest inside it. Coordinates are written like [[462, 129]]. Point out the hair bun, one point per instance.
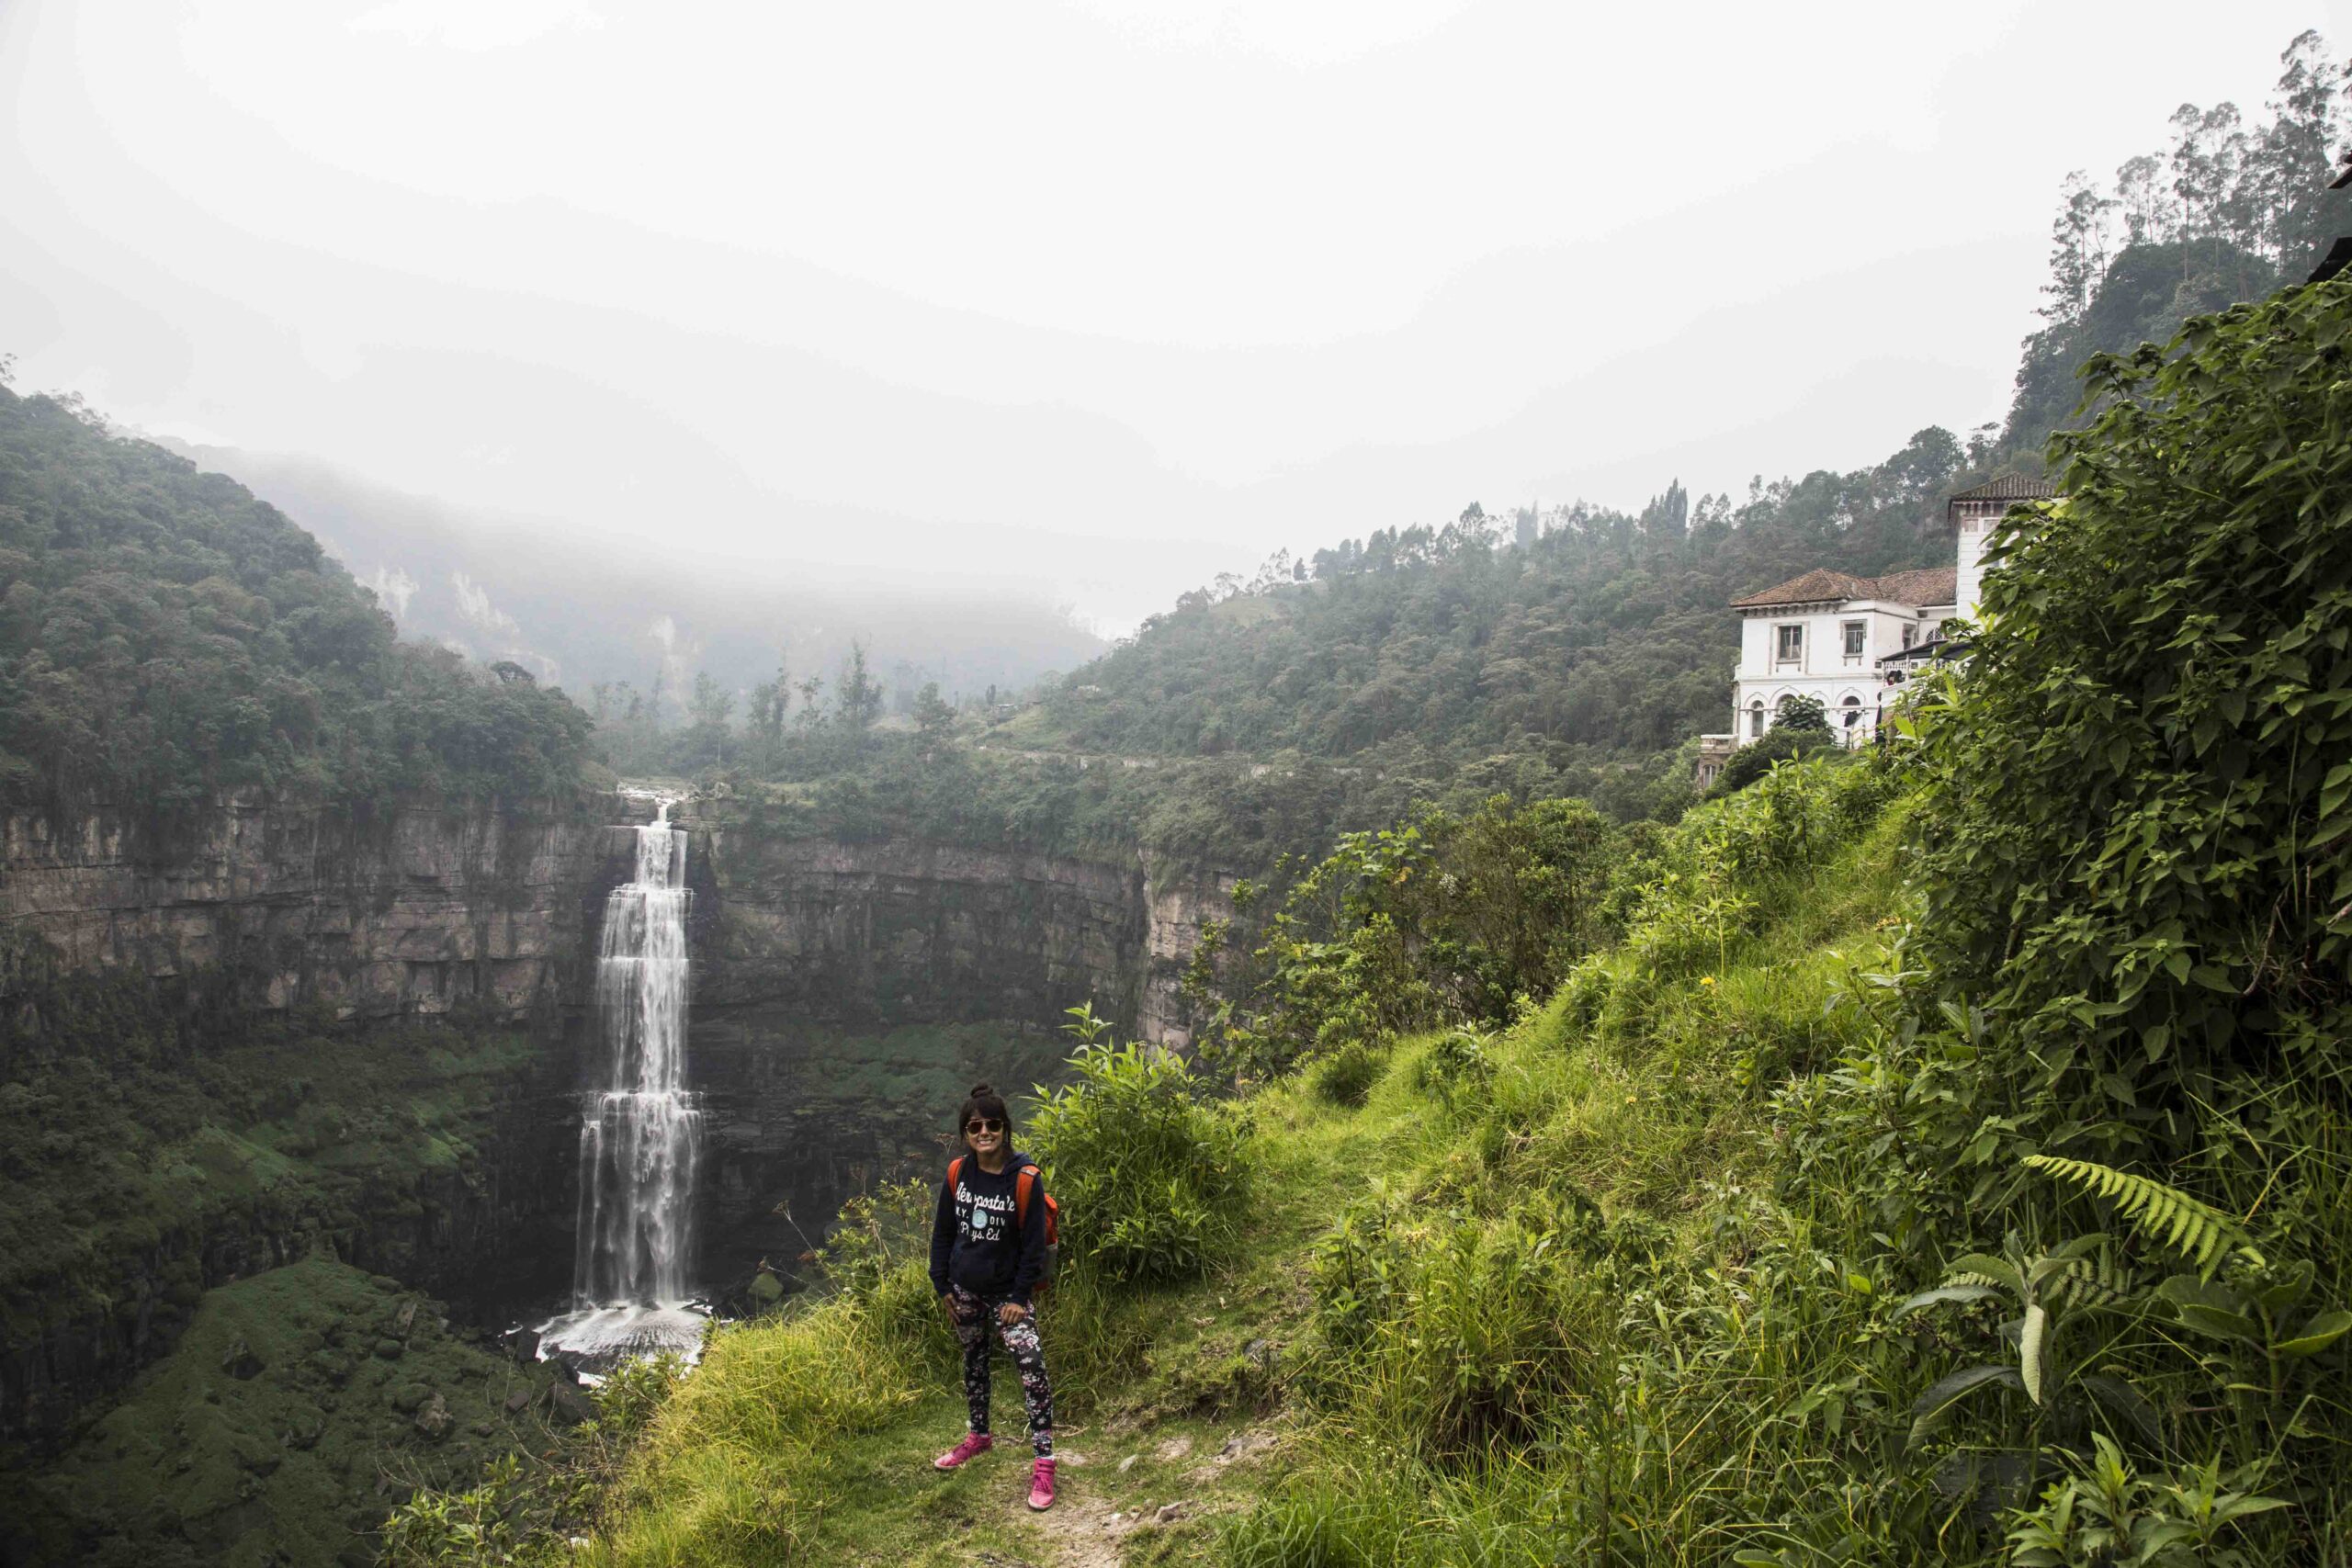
[[983, 1090]]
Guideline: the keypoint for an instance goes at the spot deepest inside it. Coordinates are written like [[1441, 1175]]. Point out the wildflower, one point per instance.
[[1707, 979]]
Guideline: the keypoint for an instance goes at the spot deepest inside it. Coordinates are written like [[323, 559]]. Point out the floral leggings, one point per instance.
[[973, 1314]]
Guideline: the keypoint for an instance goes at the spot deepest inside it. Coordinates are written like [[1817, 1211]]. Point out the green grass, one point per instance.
[[807, 1437]]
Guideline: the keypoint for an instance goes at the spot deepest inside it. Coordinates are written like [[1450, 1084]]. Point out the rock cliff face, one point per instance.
[[904, 930], [161, 1007], [805, 950], [414, 912]]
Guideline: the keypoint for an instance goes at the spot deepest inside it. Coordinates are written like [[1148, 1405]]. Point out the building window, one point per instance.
[[1910, 632], [1756, 719], [1854, 635], [1788, 644], [1853, 710]]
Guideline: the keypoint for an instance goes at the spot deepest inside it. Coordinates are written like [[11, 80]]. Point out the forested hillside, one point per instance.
[[1586, 627], [163, 634]]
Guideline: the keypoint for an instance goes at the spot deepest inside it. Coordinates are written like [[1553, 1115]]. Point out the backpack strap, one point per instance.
[[955, 1172], [1021, 1184]]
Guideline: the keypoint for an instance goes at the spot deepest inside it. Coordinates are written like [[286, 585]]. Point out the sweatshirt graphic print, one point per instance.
[[978, 1237]]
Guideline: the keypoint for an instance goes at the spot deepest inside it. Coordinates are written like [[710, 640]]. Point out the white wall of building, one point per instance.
[[1975, 527], [1827, 664]]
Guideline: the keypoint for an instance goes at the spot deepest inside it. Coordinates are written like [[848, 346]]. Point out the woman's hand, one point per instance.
[[1010, 1313]]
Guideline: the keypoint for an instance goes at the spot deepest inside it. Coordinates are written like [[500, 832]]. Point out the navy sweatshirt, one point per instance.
[[976, 1239]]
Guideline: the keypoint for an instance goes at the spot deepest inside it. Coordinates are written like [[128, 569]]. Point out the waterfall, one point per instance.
[[634, 1246]]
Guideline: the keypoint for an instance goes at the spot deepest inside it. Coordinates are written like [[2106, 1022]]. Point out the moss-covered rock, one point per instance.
[[296, 1460]]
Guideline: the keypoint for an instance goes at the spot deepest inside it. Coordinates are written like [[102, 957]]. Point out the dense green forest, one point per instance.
[[165, 636], [1585, 628]]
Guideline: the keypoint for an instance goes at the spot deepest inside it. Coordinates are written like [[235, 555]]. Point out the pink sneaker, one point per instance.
[[1041, 1486], [973, 1445]]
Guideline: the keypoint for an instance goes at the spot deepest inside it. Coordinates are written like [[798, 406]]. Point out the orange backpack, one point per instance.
[[1022, 1185]]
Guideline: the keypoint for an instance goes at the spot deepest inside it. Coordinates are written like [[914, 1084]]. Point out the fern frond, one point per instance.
[[2087, 1283], [2196, 1230]]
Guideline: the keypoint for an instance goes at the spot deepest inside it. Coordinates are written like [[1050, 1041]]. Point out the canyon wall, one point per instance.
[[186, 1012], [407, 911], [236, 1036], [896, 931], [815, 959]]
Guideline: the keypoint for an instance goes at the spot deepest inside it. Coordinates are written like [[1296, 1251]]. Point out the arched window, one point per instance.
[[1756, 719], [1852, 708]]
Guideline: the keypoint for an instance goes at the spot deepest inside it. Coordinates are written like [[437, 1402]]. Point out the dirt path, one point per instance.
[[1104, 1501]]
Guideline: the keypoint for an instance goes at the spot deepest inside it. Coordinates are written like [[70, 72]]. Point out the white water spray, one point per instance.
[[639, 1136]]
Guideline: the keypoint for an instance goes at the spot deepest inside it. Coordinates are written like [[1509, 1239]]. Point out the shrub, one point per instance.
[[1753, 760], [1803, 714], [634, 1391], [1438, 919], [1455, 1064], [2157, 891], [1345, 1076], [1449, 1334], [1153, 1181]]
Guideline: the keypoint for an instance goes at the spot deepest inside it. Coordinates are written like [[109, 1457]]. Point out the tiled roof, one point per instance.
[[1928, 585], [2010, 487], [1814, 585]]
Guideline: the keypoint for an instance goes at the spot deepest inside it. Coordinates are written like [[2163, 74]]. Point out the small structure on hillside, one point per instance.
[[1848, 640]]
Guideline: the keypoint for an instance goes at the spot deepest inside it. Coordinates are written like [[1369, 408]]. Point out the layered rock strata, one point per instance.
[[909, 931], [408, 912]]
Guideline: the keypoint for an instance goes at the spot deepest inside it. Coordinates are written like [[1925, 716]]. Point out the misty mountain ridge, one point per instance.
[[575, 610]]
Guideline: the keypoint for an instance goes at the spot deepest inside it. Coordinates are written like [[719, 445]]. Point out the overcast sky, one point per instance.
[[1106, 294]]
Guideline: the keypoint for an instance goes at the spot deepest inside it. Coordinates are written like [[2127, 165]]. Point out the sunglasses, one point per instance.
[[983, 1124]]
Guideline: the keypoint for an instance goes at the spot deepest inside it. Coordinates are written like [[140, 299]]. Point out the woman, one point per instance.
[[988, 1252]]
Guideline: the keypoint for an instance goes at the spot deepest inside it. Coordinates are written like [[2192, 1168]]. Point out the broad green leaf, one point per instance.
[[2031, 1349], [2284, 1287], [1943, 1293], [2316, 1336], [1933, 1408]]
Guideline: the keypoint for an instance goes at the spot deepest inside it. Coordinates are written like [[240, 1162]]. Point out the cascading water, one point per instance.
[[639, 1134]]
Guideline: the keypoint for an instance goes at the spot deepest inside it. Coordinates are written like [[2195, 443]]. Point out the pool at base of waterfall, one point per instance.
[[595, 1340]]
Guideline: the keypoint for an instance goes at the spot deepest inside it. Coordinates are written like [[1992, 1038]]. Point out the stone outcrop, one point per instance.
[[908, 930], [798, 942], [408, 912]]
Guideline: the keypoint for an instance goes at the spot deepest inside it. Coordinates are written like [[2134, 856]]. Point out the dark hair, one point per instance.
[[984, 1102]]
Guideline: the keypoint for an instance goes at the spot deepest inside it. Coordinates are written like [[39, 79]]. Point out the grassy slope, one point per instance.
[[1640, 1093], [273, 1430]]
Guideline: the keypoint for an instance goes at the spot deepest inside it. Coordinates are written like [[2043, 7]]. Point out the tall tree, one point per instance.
[[857, 695], [770, 699]]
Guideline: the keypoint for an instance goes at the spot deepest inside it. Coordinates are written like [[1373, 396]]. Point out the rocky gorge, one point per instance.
[[272, 1029]]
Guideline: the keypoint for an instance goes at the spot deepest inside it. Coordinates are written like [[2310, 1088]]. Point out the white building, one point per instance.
[[1844, 638]]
